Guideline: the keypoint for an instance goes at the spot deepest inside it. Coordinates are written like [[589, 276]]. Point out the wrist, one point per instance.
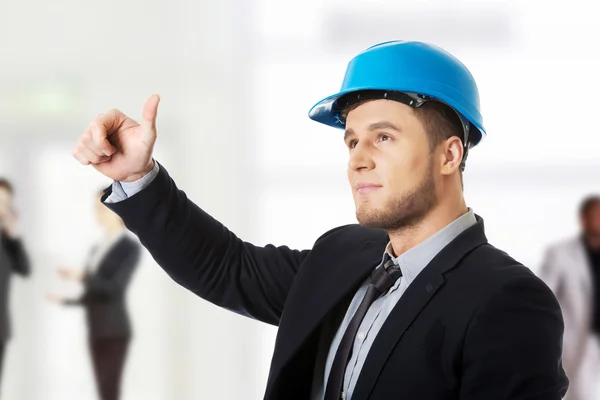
[[139, 175]]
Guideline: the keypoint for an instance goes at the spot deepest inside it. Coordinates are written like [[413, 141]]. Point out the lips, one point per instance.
[[364, 188]]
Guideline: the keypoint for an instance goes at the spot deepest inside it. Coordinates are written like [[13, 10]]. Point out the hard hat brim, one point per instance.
[[327, 112]]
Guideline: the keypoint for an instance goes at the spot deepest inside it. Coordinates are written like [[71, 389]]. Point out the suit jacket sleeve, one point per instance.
[[513, 346], [19, 261], [202, 255]]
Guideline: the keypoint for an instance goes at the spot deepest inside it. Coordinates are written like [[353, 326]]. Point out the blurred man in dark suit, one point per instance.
[[13, 258]]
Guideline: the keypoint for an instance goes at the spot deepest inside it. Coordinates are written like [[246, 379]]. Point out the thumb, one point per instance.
[[149, 117]]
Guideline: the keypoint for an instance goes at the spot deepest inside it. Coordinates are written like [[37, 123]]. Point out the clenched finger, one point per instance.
[[77, 154], [99, 137], [111, 120], [107, 124], [88, 141], [87, 156]]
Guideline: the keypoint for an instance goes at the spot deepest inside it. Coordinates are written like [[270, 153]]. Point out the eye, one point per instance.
[[383, 137], [352, 144]]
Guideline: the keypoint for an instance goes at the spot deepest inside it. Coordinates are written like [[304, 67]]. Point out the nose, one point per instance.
[[361, 158]]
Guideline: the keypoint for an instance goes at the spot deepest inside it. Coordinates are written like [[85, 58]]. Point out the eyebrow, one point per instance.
[[373, 127]]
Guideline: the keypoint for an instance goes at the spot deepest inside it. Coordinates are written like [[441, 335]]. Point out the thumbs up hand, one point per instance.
[[119, 147]]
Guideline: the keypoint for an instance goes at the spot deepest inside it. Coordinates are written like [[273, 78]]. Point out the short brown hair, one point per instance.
[[587, 204], [440, 121], [5, 183]]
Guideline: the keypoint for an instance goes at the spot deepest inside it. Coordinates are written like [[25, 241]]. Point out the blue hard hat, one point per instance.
[[410, 72]]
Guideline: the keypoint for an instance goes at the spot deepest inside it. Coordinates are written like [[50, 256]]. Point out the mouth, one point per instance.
[[366, 188]]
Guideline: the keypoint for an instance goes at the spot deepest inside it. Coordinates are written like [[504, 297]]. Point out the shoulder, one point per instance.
[[500, 278], [349, 236], [564, 246], [515, 329]]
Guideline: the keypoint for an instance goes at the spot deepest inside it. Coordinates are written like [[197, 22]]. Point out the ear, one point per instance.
[[452, 154]]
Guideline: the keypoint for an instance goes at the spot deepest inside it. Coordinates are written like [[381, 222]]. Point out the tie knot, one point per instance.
[[389, 262], [384, 277]]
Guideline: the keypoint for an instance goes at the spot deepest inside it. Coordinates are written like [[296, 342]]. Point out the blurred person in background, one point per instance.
[[13, 259], [412, 303], [572, 270], [105, 279]]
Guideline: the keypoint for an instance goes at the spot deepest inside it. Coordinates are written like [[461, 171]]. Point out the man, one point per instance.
[[413, 303], [13, 259], [572, 270], [105, 279]]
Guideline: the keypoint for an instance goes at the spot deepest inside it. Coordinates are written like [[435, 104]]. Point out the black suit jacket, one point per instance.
[[13, 259], [105, 289], [474, 325]]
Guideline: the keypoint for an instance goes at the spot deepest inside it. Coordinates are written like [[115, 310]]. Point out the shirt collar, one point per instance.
[[414, 260]]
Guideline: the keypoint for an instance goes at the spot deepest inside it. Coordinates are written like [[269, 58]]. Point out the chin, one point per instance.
[[369, 217], [373, 223]]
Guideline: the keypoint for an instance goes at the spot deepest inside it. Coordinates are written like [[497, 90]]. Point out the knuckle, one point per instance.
[[86, 140], [111, 113], [81, 159], [95, 159]]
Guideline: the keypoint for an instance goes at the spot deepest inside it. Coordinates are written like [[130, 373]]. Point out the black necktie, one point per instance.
[[382, 280]]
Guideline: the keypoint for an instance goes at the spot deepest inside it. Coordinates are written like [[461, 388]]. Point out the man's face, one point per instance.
[[5, 202], [391, 169], [591, 220]]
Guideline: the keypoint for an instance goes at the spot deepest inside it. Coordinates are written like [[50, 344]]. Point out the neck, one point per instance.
[[405, 238]]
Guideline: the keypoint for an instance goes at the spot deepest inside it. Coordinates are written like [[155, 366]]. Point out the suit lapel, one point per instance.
[[412, 302], [104, 261], [344, 276]]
